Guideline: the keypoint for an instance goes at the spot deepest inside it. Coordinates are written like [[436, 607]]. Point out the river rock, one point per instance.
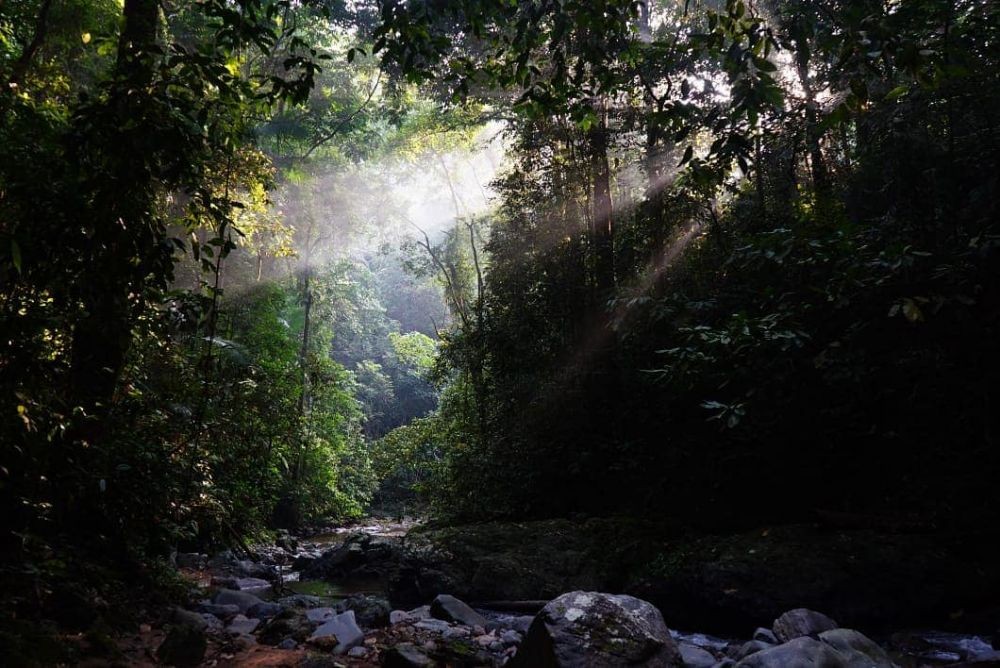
[[184, 646], [222, 611], [344, 628], [595, 629], [264, 610], [398, 617], [320, 615], [747, 648], [290, 623], [451, 609], [765, 635], [370, 611], [801, 622], [406, 655], [242, 625], [695, 657], [861, 651], [241, 599]]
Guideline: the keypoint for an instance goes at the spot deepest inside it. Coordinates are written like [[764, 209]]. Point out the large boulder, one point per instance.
[[241, 599], [343, 628], [291, 623], [595, 629], [370, 611], [801, 622], [360, 555], [839, 648]]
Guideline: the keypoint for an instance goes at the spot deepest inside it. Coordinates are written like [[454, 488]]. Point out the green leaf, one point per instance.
[[15, 255]]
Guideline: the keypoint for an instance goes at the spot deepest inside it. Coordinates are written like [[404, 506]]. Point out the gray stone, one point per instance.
[[222, 611], [287, 643], [802, 652], [511, 637], [320, 615], [406, 655], [695, 657], [451, 609], [344, 628], [357, 652], [370, 611], [212, 623], [184, 646], [435, 625], [251, 584], [241, 599], [264, 610], [860, 651], [398, 617], [241, 625], [747, 648], [595, 629], [423, 612], [765, 635], [801, 622]]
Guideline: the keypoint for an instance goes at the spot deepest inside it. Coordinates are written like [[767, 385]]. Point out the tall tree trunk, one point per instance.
[[817, 163], [102, 337]]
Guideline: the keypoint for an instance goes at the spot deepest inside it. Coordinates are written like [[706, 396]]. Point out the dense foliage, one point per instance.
[[740, 267], [743, 267]]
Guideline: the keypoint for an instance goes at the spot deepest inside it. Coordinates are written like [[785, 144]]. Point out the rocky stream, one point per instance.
[[392, 594]]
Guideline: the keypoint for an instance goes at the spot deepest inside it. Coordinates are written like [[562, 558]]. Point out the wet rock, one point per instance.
[[398, 617], [589, 628], [264, 610], [693, 656], [406, 655], [434, 625], [242, 625], [451, 609], [801, 652], [241, 599], [184, 646], [287, 643], [320, 615], [370, 611], [746, 649], [860, 650], [344, 628], [251, 584], [801, 622], [357, 652], [765, 635]]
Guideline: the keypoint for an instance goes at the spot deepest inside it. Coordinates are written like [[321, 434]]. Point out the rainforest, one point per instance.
[[540, 333]]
